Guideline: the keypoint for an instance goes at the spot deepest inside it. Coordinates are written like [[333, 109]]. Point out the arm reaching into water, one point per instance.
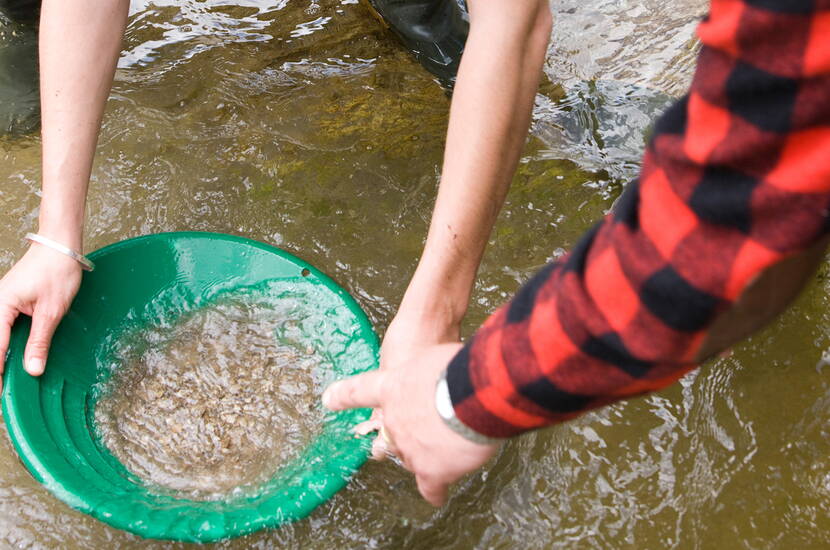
[[489, 117], [79, 45], [725, 224]]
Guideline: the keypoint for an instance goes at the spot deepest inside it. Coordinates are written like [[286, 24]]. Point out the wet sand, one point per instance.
[[212, 406]]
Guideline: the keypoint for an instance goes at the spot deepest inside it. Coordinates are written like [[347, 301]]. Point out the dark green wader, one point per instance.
[[435, 31], [19, 95]]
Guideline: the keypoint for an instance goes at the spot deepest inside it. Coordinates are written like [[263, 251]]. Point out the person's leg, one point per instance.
[[433, 30]]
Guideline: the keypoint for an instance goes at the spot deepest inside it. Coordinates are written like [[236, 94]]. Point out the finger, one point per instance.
[[433, 492], [40, 337], [380, 449], [7, 317], [377, 415], [398, 461], [365, 428], [362, 390]]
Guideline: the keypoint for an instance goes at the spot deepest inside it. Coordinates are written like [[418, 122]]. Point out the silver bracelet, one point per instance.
[[443, 404], [80, 258]]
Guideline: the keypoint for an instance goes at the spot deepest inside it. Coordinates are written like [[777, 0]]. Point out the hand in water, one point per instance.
[[406, 336], [404, 392], [42, 285]]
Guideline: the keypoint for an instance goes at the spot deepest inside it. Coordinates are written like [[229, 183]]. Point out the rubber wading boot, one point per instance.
[[433, 30], [20, 11], [19, 93]]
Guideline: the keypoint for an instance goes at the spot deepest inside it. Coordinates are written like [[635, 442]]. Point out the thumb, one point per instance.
[[40, 337]]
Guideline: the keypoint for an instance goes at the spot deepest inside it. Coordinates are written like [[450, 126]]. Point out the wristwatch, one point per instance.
[[443, 404]]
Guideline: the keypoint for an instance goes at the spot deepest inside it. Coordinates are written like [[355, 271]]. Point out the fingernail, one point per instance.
[[35, 366]]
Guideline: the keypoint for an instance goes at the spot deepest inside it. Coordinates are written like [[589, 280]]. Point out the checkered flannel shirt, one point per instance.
[[736, 178]]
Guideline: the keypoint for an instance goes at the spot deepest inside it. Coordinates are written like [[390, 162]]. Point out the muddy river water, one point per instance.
[[303, 124]]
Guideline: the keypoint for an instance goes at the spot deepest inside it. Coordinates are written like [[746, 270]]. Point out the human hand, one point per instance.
[[407, 334], [42, 284], [404, 392]]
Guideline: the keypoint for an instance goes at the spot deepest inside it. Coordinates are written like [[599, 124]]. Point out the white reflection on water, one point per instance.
[[206, 23], [620, 64], [304, 29]]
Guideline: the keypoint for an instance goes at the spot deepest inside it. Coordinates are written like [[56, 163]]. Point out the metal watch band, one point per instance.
[[443, 404], [58, 247]]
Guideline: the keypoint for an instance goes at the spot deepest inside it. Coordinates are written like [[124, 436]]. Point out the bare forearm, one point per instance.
[[79, 45], [489, 118]]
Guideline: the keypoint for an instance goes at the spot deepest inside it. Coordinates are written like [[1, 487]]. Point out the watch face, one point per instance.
[[442, 400]]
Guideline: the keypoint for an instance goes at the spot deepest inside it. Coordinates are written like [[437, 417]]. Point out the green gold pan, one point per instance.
[[49, 419]]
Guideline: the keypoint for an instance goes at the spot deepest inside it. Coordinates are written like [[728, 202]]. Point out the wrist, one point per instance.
[[62, 226], [68, 238], [432, 316], [446, 410], [60, 248], [436, 298]]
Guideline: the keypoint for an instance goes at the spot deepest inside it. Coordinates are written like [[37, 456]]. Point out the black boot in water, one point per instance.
[[433, 30], [19, 94]]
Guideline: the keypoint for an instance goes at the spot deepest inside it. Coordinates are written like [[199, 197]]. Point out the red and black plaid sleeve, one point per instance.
[[735, 179]]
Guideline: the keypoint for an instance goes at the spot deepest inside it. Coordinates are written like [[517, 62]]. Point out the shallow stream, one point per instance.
[[305, 125]]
